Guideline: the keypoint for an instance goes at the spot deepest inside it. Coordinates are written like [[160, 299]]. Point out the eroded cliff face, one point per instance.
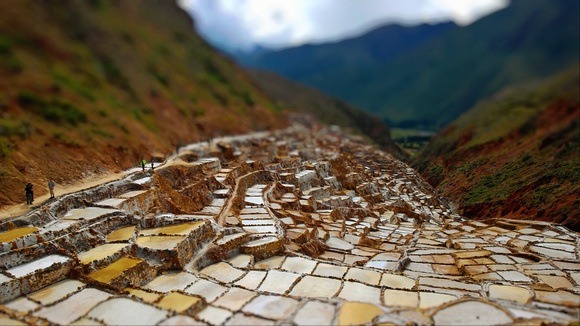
[[304, 226], [94, 87]]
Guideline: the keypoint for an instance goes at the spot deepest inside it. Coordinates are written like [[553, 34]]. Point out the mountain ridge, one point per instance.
[[437, 79]]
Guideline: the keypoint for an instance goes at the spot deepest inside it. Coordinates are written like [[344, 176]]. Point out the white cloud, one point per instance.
[[243, 23]]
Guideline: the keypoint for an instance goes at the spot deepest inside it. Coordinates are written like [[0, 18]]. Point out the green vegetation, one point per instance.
[[411, 140], [8, 61], [516, 153], [427, 76], [161, 78], [55, 110], [78, 87], [14, 127]]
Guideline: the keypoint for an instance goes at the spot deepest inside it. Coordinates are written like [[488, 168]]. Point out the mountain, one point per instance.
[[89, 87], [312, 64], [514, 155], [426, 76], [291, 96]]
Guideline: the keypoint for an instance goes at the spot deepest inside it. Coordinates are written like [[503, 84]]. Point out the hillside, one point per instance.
[[295, 97], [514, 155], [89, 87], [445, 70]]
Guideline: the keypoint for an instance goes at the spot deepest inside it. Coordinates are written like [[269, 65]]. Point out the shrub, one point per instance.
[[57, 111]]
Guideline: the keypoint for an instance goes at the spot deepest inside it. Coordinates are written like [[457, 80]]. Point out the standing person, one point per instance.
[[151, 164], [29, 194], [51, 188], [143, 165]]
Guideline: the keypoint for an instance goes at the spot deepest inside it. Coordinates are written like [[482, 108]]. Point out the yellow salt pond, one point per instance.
[[160, 242], [179, 229], [178, 302], [122, 234], [17, 233], [101, 252], [356, 313], [115, 269], [149, 297]]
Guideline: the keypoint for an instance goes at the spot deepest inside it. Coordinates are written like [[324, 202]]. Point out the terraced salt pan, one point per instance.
[[171, 282], [450, 261], [471, 313], [353, 291], [142, 181], [22, 305], [132, 194], [56, 292], [235, 298], [110, 272], [178, 302], [122, 234], [148, 297], [101, 252], [112, 202], [509, 292], [261, 229], [4, 279], [260, 216], [123, 311], [160, 242], [271, 307], [329, 270], [315, 313], [206, 289], [254, 201], [299, 265], [57, 226], [278, 282], [214, 315], [222, 272], [37, 265], [17, 233], [257, 222], [316, 287], [251, 280], [74, 307], [88, 214], [339, 244], [177, 229]]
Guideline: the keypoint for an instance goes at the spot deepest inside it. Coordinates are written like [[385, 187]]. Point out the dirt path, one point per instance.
[[21, 209]]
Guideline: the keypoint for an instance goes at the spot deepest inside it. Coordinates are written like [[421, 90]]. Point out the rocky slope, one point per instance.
[[515, 155], [94, 86]]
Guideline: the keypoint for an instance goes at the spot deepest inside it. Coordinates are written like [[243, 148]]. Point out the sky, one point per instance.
[[243, 24]]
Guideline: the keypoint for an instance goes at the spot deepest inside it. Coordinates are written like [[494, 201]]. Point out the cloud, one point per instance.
[[280, 23]]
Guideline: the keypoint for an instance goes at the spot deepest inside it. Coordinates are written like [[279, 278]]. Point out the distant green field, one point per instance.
[[411, 140]]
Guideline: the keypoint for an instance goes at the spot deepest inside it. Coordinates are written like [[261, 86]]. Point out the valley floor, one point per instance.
[[294, 226]]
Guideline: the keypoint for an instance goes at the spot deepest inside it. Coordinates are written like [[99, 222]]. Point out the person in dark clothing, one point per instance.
[[151, 164], [29, 194], [51, 188]]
